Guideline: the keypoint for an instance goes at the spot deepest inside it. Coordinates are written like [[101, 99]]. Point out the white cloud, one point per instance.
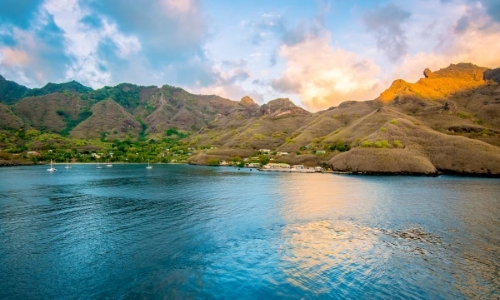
[[324, 76], [467, 34], [82, 42], [230, 78]]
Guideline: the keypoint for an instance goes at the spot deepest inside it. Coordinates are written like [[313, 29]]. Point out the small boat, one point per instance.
[[149, 167], [52, 169], [99, 166], [67, 165], [109, 165]]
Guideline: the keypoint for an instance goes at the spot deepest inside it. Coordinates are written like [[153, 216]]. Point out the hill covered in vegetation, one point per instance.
[[448, 121]]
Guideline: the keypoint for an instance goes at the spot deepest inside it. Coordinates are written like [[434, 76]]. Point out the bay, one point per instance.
[[179, 231]]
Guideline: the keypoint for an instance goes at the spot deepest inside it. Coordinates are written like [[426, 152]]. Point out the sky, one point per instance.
[[317, 53]]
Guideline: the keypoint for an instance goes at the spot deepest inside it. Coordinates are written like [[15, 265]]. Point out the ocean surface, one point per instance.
[[188, 232]]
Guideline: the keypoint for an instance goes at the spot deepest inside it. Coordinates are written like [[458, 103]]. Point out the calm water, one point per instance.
[[220, 233]]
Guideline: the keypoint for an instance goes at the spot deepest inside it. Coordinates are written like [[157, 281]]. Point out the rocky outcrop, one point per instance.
[[247, 101], [280, 107], [437, 85]]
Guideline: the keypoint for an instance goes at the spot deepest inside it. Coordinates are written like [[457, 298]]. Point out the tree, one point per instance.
[[263, 160]]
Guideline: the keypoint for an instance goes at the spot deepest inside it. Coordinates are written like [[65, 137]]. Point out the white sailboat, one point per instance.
[[99, 166], [52, 169], [67, 165], [149, 167], [109, 165]]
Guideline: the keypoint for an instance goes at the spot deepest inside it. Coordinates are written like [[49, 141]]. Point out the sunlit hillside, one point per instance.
[[448, 121]]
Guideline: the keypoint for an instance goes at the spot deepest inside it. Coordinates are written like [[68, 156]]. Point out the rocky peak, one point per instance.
[[462, 71], [439, 84], [282, 106], [247, 100], [427, 73]]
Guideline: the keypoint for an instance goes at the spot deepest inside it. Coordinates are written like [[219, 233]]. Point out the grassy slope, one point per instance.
[[419, 150], [108, 119], [50, 112], [8, 119]]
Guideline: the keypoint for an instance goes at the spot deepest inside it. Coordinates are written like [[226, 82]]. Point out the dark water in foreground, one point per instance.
[[197, 232]]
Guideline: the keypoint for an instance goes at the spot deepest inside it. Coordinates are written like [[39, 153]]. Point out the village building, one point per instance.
[[277, 166], [252, 165]]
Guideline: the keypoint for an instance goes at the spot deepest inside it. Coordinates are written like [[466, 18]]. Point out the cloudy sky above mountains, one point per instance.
[[317, 53]]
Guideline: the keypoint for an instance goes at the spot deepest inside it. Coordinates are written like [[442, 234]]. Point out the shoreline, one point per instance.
[[348, 173]]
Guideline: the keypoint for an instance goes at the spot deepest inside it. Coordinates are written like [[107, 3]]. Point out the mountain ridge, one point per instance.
[[456, 106]]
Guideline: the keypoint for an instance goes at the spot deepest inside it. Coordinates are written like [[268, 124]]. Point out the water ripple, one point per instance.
[[222, 233]]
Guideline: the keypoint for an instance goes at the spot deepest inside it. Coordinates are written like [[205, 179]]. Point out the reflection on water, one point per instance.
[[199, 232]]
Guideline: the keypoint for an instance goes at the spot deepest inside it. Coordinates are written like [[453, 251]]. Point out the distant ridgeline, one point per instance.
[[448, 121]]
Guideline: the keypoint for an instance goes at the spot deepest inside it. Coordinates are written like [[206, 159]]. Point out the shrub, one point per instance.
[[5, 155], [383, 129], [366, 144], [213, 162], [339, 146], [263, 160], [397, 144], [382, 144], [259, 137], [394, 122], [171, 131]]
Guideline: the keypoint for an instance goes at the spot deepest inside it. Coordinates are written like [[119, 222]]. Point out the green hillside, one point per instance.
[[448, 121]]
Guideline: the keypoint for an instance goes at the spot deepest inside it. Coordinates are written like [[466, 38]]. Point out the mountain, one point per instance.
[[49, 88], [52, 112], [10, 92], [108, 120], [247, 125], [448, 121]]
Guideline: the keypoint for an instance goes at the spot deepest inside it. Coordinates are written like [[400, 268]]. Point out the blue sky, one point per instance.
[[317, 53]]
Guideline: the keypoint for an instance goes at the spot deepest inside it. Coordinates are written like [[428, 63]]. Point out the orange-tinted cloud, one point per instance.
[[324, 76], [13, 57]]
